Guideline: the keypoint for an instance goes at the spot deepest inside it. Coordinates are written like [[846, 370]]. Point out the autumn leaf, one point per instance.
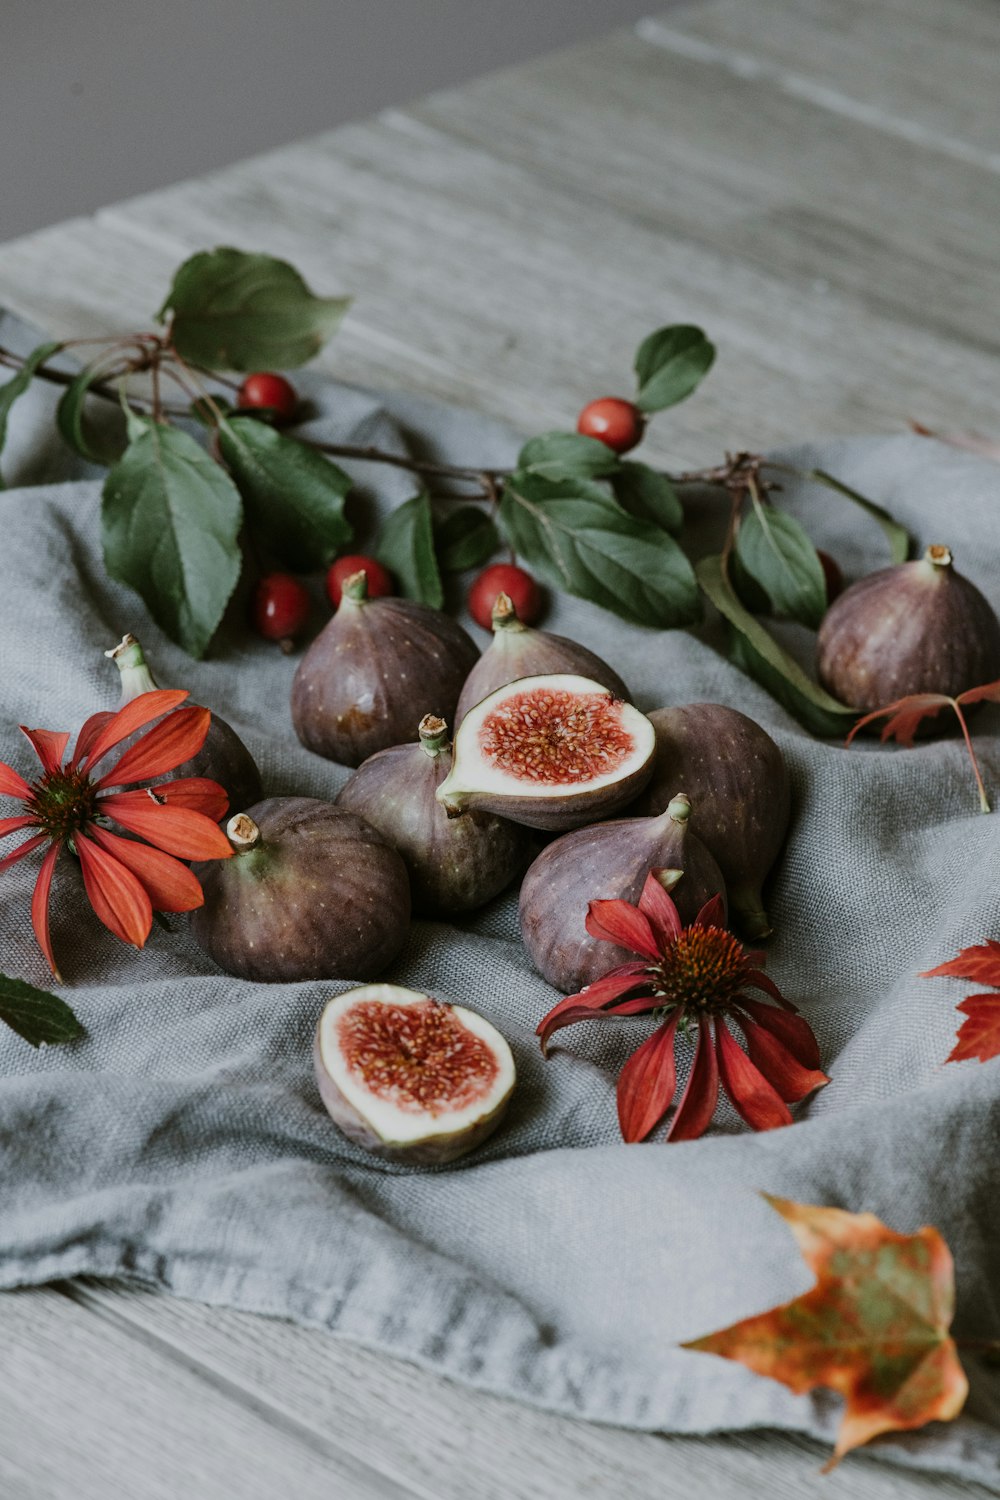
[[904, 717], [979, 1035], [874, 1328], [972, 442]]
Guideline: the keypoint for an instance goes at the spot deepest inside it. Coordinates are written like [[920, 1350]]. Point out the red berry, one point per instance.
[[267, 390], [504, 578], [280, 608], [380, 582], [617, 423], [831, 572]]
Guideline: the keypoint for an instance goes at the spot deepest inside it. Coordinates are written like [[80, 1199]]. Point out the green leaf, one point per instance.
[[761, 657], [465, 538], [576, 536], [897, 536], [232, 311], [36, 1015], [208, 412], [406, 546], [649, 495], [171, 519], [95, 446], [565, 455], [19, 383], [778, 555], [292, 495], [670, 364]]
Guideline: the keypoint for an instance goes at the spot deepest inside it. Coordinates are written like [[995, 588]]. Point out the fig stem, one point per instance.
[[243, 833], [679, 808], [356, 587], [433, 733], [505, 616], [134, 669]]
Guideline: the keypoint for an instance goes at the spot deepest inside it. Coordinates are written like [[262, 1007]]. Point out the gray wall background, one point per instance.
[[100, 99]]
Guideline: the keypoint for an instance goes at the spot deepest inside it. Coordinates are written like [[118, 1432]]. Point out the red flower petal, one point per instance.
[[783, 1071], [11, 784], [21, 850], [88, 735], [40, 906], [989, 692], [656, 904], [791, 1029], [712, 914], [581, 1007], [981, 964], [13, 825], [753, 1097], [130, 717], [760, 981], [701, 1092], [646, 1083], [115, 894], [197, 793], [167, 745], [979, 1036], [189, 835], [48, 744], [169, 885], [624, 924]]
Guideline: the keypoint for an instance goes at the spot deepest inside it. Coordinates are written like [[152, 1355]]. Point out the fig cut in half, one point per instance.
[[411, 1078], [551, 752]]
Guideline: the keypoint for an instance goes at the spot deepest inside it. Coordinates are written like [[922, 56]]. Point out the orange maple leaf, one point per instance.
[[979, 1035], [874, 1328], [904, 717]]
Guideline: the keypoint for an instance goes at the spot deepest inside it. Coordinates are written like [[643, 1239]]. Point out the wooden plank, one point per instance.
[[452, 1442], [915, 67], [91, 1412], [717, 154]]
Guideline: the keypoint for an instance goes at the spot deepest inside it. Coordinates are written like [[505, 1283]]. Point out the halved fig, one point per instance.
[[411, 1078], [551, 752]]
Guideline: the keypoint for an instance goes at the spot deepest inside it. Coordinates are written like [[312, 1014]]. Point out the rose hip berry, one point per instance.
[[832, 574], [617, 423], [265, 390], [280, 608], [504, 578], [380, 581]]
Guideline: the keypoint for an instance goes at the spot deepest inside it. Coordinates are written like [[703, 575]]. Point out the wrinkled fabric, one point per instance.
[[182, 1143]]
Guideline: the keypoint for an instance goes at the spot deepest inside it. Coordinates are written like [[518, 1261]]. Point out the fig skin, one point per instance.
[[454, 864], [371, 672], [918, 627], [223, 757], [738, 783], [436, 1147], [474, 786], [312, 892], [606, 862], [517, 650]]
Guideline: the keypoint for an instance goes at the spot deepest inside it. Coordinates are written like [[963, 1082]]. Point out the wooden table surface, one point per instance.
[[816, 182]]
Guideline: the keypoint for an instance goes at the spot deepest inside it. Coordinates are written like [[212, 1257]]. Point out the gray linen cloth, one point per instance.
[[182, 1143]]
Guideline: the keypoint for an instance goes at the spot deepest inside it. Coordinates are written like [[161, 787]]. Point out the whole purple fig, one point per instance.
[[371, 672], [918, 627], [517, 650], [737, 780], [608, 861], [313, 892], [454, 864], [223, 757]]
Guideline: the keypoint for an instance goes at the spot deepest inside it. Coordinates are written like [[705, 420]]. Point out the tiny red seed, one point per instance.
[[617, 423], [264, 390], [280, 607], [416, 1057], [555, 737], [380, 580]]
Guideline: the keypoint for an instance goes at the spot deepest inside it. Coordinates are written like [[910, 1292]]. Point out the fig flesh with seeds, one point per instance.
[[454, 864], [737, 780], [223, 757], [313, 892], [411, 1078], [552, 752], [517, 650], [607, 862], [373, 670], [918, 627]]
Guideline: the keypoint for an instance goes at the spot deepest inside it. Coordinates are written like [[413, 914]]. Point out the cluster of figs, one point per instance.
[[526, 762]]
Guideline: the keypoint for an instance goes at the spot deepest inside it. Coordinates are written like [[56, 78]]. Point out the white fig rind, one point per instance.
[[475, 786], [417, 1137]]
